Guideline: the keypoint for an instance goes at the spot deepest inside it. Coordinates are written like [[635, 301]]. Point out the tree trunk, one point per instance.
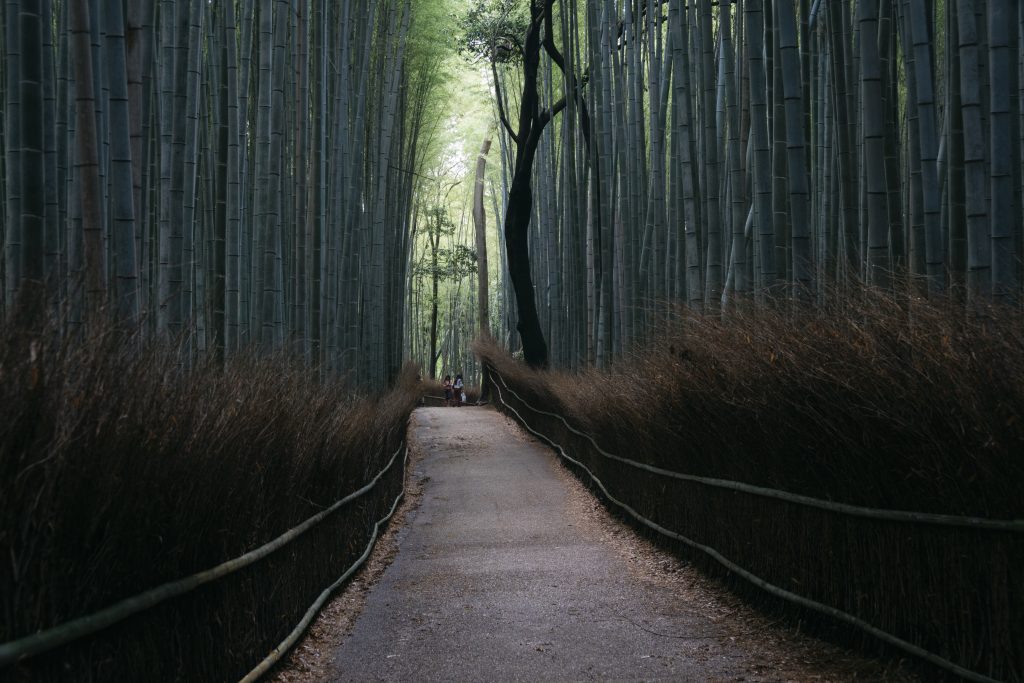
[[480, 223], [33, 166], [796, 158], [122, 186], [88, 165], [923, 80], [979, 258], [1005, 283], [520, 196], [712, 206], [759, 137], [12, 131], [878, 264]]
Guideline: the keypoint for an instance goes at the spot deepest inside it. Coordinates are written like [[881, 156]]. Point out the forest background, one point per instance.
[[788, 231]]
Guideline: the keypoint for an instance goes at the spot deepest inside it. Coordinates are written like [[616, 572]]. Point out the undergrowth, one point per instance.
[[869, 401], [121, 469]]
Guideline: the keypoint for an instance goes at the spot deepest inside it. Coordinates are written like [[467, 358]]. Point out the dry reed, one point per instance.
[[121, 469], [868, 401]]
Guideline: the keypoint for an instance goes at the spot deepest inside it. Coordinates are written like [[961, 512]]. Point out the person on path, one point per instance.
[[447, 390], [460, 390]]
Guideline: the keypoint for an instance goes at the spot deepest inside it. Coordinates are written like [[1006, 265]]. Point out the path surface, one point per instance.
[[509, 571]]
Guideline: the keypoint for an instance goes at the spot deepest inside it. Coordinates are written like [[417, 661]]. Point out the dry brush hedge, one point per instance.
[[870, 403], [120, 470]]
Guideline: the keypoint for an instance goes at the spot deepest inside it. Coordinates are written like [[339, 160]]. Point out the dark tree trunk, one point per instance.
[[435, 277], [88, 157], [517, 224], [520, 195], [480, 224]]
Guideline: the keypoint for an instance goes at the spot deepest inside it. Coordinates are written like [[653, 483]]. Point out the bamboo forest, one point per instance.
[[752, 271]]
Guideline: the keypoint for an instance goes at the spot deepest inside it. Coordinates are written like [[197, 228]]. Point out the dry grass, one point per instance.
[[120, 469], [872, 402]]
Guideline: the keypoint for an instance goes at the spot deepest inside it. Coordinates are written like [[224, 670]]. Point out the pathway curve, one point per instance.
[[510, 571]]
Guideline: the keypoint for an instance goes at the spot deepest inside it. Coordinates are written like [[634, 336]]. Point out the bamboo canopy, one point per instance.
[[253, 173]]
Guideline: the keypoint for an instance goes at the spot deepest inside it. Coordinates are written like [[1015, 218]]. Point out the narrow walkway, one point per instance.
[[506, 572]]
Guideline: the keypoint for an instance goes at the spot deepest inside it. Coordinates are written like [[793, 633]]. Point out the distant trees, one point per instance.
[[438, 264], [720, 153], [230, 174]]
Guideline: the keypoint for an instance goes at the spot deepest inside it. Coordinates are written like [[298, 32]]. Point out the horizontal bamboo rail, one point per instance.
[[44, 641], [782, 593], [271, 659], [1014, 526]]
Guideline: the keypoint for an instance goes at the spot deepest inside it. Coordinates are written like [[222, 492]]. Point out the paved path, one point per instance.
[[499, 576]]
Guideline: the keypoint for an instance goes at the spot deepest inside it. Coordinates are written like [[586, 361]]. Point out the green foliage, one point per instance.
[[460, 261], [452, 263], [493, 30], [430, 36], [430, 56], [444, 263], [438, 222]]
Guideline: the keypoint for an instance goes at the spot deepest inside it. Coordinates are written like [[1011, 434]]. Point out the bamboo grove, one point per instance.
[[720, 152], [228, 174], [442, 315]]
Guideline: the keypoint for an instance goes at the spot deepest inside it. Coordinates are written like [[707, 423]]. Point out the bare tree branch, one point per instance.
[[545, 116], [501, 103]]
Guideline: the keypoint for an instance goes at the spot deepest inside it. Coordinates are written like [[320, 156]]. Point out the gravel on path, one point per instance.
[[508, 569]]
